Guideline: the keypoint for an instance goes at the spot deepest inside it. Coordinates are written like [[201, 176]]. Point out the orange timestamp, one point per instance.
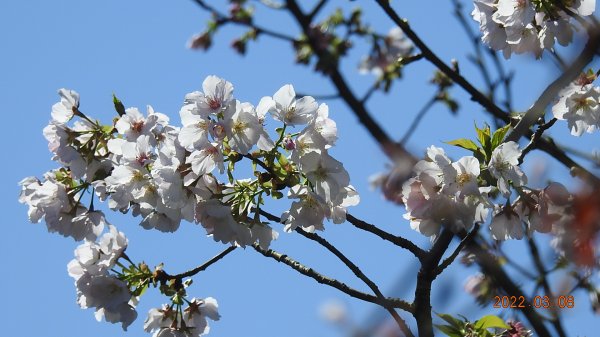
[[545, 302]]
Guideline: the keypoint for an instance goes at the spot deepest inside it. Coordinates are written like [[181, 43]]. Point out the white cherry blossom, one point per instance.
[[217, 95], [63, 111], [292, 111], [243, 128], [504, 166]]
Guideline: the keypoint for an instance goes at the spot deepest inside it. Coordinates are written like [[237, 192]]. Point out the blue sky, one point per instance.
[[136, 49]]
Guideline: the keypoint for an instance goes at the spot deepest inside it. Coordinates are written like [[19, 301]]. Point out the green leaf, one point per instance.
[[119, 107], [484, 137], [448, 330], [455, 322], [499, 135], [490, 321], [464, 143]]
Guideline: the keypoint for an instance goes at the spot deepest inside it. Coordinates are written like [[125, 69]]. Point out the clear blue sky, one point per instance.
[[136, 49]]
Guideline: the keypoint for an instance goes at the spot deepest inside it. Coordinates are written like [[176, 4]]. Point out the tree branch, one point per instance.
[[539, 265], [226, 19], [397, 240], [448, 261], [392, 149], [544, 144], [425, 278], [354, 268], [491, 268], [205, 265], [306, 271]]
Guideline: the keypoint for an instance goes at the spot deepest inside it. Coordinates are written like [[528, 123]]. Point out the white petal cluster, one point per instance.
[[165, 174], [328, 192], [284, 106], [444, 193], [395, 45], [522, 26], [96, 287], [579, 104], [192, 322], [543, 211], [504, 166], [64, 110], [63, 215]]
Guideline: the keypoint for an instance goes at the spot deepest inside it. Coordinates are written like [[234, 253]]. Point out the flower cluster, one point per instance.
[[520, 26], [178, 322], [96, 286], [579, 104], [165, 174], [456, 195], [444, 193], [459, 194]]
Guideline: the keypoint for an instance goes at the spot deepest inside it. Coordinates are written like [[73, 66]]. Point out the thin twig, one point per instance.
[[354, 268], [539, 265], [448, 261], [306, 271], [537, 135], [205, 265], [226, 19], [316, 9], [392, 149], [415, 123], [397, 240], [544, 144]]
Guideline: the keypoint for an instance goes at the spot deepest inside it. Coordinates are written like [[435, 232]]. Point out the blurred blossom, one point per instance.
[[334, 311], [517, 329]]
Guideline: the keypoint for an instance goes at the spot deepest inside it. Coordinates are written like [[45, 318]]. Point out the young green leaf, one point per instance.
[[464, 143], [499, 135], [491, 321], [449, 330], [119, 107]]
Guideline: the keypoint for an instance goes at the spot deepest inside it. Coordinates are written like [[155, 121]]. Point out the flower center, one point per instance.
[[463, 179], [214, 103], [290, 113], [239, 127], [137, 126]]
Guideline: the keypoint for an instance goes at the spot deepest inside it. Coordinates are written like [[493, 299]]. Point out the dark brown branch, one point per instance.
[[544, 144], [415, 123], [358, 273], [543, 279], [397, 240], [205, 265], [448, 261], [537, 135], [392, 149], [316, 9], [306, 271], [354, 268], [226, 19], [425, 278], [491, 268]]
